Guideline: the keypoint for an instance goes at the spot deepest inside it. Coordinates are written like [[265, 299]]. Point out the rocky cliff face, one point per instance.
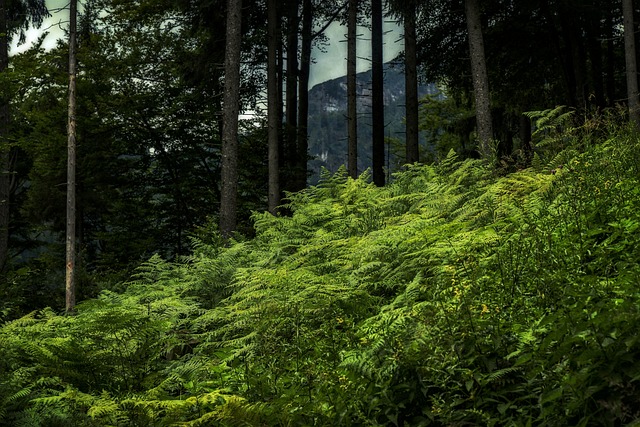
[[328, 122]]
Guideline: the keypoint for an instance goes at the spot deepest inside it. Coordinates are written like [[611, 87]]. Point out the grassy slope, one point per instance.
[[450, 297]]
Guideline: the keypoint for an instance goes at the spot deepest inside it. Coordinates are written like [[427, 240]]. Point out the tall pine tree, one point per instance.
[[71, 165], [5, 160], [631, 62], [352, 101], [479, 77], [229, 191], [272, 106], [377, 91]]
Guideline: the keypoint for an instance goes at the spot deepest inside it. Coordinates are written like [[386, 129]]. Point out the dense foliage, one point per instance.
[[453, 296], [149, 118], [149, 149]]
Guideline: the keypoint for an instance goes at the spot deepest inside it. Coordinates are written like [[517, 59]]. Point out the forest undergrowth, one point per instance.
[[456, 295]]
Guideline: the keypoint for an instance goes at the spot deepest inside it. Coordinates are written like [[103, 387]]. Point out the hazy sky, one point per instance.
[[54, 25], [329, 63], [333, 62]]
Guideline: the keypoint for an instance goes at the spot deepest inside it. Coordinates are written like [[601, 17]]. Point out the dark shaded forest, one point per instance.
[[480, 266]]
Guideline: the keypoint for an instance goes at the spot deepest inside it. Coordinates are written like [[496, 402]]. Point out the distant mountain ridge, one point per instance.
[[328, 117]]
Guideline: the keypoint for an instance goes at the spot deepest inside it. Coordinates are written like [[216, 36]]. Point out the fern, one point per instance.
[[452, 296]]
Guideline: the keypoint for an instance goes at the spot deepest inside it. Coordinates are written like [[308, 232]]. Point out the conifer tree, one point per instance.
[[71, 165], [289, 157], [272, 106], [229, 193], [377, 88], [631, 62], [352, 105], [479, 77], [302, 144], [411, 83], [5, 163]]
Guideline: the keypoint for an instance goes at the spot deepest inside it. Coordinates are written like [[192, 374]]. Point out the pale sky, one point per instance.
[[333, 63], [330, 64], [54, 25]]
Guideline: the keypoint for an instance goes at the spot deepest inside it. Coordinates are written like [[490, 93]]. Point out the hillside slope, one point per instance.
[[453, 296]]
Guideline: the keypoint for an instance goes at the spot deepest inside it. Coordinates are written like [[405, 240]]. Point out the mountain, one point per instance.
[[328, 119]]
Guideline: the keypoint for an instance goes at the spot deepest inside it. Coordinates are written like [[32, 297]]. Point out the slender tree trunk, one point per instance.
[[631, 61], [480, 79], [610, 81], [411, 86], [291, 113], [377, 88], [229, 193], [5, 155], [281, 77], [272, 106], [71, 165], [303, 96], [352, 92]]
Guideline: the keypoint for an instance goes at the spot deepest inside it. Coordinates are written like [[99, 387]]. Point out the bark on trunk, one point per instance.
[[377, 87], [291, 107], [281, 101], [229, 193], [411, 86], [272, 107], [610, 81], [631, 62], [5, 155], [352, 100], [70, 283], [303, 96], [480, 79]]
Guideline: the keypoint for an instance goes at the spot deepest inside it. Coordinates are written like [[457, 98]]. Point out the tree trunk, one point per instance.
[[411, 86], [5, 155], [229, 193], [272, 106], [303, 96], [280, 101], [377, 88], [631, 62], [480, 79], [352, 93], [610, 81], [71, 165], [291, 107]]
